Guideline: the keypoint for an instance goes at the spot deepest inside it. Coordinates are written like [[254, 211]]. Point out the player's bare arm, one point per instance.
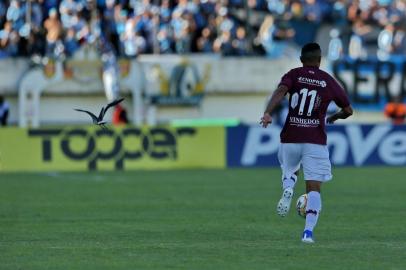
[[275, 100], [342, 114]]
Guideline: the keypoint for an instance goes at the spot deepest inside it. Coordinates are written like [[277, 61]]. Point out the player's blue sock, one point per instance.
[[313, 208], [289, 182]]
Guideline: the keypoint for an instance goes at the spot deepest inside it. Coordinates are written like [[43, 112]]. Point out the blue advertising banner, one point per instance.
[[349, 145], [372, 82]]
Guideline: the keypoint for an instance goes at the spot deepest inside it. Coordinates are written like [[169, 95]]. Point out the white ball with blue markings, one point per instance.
[[301, 205]]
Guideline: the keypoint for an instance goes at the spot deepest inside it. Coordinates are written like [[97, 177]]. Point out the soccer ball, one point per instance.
[[301, 205]]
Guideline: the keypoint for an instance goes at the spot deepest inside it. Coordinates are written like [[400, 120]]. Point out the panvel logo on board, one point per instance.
[[349, 145], [91, 148]]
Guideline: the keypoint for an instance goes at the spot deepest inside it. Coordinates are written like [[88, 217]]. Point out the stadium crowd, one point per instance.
[[56, 28]]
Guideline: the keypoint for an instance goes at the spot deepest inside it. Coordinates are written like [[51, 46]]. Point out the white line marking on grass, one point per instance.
[[76, 176]]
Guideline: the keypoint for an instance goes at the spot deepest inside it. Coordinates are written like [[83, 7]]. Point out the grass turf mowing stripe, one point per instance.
[[198, 219]]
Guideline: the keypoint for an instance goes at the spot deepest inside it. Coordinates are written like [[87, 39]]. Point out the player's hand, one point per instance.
[[331, 119], [265, 120]]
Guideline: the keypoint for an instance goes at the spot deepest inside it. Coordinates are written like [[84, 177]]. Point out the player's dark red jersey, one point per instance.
[[310, 92]]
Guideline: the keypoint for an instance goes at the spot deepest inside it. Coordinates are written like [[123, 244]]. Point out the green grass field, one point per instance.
[[198, 219]]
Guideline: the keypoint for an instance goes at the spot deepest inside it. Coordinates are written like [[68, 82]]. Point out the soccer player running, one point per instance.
[[303, 137]]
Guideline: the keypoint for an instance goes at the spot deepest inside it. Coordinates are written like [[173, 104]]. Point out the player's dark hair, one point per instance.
[[311, 52]]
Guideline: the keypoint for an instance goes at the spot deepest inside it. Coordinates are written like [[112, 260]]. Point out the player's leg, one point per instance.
[[317, 169], [285, 201], [313, 209], [289, 157], [289, 181]]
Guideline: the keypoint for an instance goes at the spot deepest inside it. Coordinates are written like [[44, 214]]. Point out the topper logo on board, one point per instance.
[[155, 143], [349, 145]]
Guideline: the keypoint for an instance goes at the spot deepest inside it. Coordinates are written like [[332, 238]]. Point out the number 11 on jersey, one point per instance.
[[304, 93]]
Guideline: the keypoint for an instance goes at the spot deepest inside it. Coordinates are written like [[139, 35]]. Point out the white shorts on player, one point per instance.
[[314, 158]]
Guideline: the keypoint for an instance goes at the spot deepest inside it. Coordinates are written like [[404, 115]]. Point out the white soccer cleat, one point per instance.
[[307, 237], [284, 203]]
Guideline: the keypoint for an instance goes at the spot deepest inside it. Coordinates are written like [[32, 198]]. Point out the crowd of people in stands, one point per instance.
[[56, 28]]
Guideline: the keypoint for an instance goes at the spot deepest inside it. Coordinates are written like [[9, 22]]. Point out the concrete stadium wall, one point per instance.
[[233, 87]]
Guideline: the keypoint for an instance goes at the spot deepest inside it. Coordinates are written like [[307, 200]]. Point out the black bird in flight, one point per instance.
[[99, 120]]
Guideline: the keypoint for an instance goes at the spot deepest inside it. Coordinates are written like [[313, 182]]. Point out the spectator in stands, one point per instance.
[[295, 11], [9, 40], [165, 12], [15, 14], [54, 31], [357, 41], [120, 18], [399, 38], [111, 73], [339, 13], [49, 4], [181, 25], [4, 110], [111, 23], [224, 21], [265, 36], [37, 15], [205, 43], [81, 28], [184, 26], [134, 44], [70, 42], [69, 10], [278, 7], [396, 111], [335, 47], [3, 11], [257, 4], [223, 44], [240, 43], [385, 41], [165, 43], [275, 36], [312, 11], [35, 44]]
